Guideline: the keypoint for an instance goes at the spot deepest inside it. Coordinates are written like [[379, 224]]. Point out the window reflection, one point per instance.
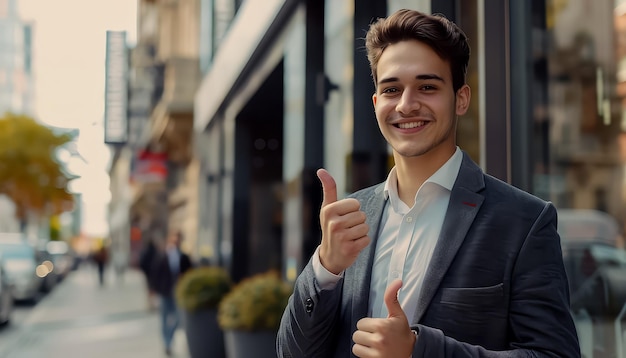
[[583, 107], [580, 163], [468, 132]]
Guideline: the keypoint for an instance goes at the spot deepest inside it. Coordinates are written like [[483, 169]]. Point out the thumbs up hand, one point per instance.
[[389, 337], [344, 231]]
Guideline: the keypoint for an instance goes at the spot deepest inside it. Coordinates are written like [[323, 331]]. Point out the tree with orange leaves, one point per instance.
[[31, 174]]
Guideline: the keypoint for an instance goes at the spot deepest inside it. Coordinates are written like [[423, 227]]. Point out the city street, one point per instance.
[[81, 319], [9, 332]]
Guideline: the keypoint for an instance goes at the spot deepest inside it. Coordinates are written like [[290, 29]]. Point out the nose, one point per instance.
[[408, 102]]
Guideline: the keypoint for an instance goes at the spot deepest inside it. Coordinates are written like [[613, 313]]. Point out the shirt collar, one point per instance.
[[444, 176]]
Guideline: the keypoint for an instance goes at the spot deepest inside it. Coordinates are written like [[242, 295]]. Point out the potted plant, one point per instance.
[[250, 315], [198, 293]]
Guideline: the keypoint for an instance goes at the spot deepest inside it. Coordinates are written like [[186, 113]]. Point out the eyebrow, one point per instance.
[[424, 77]]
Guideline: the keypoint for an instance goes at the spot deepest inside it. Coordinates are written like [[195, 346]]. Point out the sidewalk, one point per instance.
[[81, 319]]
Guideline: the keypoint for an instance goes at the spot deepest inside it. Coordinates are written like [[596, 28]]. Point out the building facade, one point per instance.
[[16, 67], [233, 106], [286, 89], [154, 172]]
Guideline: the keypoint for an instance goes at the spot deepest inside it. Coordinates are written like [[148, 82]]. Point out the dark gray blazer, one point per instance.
[[495, 287]]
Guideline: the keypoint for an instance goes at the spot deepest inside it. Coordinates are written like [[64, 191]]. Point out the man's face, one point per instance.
[[174, 239], [415, 104]]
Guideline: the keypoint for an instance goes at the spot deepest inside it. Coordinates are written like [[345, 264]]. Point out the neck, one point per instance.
[[412, 172]]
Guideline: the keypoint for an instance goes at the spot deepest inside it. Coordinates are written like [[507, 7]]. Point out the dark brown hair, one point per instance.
[[439, 33]]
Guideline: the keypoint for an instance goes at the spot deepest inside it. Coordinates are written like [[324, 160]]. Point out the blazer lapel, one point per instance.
[[462, 209], [362, 268]]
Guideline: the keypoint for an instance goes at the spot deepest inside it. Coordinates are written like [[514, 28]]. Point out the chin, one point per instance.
[[413, 151]]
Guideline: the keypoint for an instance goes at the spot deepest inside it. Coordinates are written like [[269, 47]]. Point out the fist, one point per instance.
[[344, 231], [385, 337]]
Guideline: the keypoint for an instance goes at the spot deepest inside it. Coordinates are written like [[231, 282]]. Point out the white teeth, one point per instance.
[[410, 125]]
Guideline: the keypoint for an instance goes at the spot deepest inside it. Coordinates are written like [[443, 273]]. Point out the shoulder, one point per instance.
[[473, 179], [518, 208], [503, 191]]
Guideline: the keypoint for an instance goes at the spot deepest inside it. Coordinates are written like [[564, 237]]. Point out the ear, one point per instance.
[[374, 99], [463, 96]]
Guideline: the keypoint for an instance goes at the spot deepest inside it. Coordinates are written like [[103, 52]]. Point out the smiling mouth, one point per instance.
[[410, 125]]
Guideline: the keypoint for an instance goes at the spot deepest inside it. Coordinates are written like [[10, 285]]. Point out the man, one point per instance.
[[101, 258], [146, 258], [440, 260], [168, 267]]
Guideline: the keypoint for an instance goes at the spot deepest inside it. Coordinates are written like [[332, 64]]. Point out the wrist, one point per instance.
[[324, 262]]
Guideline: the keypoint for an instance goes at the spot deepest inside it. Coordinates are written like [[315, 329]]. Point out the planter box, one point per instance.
[[204, 336], [241, 344]]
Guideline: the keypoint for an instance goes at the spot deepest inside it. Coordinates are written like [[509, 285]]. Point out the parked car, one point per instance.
[[62, 257], [589, 239], [596, 274], [588, 226], [46, 269], [6, 295], [594, 261], [21, 266]]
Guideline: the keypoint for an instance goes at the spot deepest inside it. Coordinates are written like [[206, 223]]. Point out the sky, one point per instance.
[[69, 54]]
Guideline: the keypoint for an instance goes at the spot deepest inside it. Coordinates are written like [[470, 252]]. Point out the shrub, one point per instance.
[[255, 304], [202, 288]]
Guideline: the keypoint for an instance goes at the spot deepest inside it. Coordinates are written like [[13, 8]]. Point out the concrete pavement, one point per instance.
[[81, 319]]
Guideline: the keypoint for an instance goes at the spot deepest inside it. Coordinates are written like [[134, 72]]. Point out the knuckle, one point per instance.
[[354, 203], [333, 226], [324, 211], [364, 229]]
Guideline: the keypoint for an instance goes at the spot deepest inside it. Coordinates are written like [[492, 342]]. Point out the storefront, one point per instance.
[[548, 115]]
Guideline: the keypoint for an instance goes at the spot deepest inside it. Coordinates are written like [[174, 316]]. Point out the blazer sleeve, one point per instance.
[[540, 322], [310, 320]]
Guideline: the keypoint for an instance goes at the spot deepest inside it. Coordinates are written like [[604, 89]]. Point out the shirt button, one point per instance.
[[409, 219], [308, 305], [395, 274]]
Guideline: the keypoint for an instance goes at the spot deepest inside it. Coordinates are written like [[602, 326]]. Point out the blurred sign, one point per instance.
[[116, 89], [149, 167]]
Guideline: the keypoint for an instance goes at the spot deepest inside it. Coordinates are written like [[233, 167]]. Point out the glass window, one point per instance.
[[468, 131], [206, 39], [579, 156], [223, 14]]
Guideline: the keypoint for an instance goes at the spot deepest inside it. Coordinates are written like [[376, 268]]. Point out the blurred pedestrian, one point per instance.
[[440, 260], [146, 258], [101, 258], [168, 266]]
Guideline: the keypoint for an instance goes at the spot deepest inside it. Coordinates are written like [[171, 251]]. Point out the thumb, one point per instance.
[[329, 187], [391, 299]]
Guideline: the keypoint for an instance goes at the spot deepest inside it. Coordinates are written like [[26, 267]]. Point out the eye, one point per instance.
[[389, 90], [428, 88]]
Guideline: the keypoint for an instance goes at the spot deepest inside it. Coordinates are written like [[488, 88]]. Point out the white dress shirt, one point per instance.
[[406, 240]]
